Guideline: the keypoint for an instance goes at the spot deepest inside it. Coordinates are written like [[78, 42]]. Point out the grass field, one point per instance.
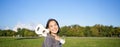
[[70, 42]]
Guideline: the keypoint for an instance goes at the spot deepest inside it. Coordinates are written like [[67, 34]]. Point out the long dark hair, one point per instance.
[[47, 25]]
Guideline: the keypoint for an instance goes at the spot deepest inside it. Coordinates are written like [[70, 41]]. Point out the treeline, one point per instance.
[[71, 31], [20, 33], [90, 31]]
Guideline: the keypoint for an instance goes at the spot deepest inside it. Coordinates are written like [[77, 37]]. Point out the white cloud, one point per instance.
[[27, 26], [7, 28]]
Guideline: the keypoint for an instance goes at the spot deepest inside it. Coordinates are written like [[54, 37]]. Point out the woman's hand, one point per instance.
[[56, 37]]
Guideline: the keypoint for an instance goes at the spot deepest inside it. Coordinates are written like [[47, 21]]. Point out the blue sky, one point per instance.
[[66, 12]]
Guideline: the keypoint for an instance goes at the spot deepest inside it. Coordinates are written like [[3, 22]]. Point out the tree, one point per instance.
[[87, 31]]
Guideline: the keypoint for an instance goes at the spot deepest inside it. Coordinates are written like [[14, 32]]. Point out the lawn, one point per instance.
[[70, 42]]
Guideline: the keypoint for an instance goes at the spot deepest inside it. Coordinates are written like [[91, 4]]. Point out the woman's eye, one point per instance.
[[51, 26], [55, 24]]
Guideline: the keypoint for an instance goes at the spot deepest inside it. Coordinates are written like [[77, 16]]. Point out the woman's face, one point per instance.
[[53, 27]]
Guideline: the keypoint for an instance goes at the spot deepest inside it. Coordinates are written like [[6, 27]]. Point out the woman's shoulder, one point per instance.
[[49, 36]]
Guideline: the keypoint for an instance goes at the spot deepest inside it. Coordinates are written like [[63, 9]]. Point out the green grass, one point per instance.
[[70, 42], [92, 42], [21, 42]]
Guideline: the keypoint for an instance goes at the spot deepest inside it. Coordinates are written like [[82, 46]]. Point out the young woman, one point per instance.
[[52, 39]]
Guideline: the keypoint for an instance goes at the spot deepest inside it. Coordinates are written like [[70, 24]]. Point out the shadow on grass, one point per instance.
[[21, 38]]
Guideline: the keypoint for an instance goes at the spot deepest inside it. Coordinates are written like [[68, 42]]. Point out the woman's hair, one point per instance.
[[47, 25]]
